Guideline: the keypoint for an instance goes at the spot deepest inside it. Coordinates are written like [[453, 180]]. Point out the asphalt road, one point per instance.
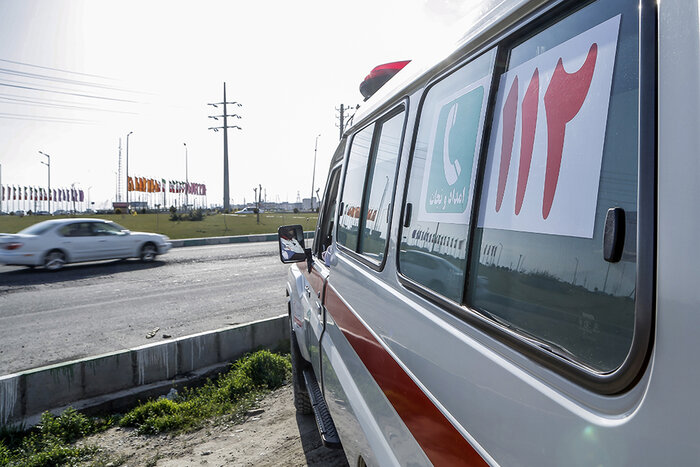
[[95, 308]]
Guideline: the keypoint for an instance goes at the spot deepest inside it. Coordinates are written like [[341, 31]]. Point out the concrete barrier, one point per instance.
[[134, 373], [233, 239]]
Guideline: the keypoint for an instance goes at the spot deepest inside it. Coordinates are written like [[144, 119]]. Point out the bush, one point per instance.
[[154, 416], [265, 368], [4, 454], [296, 211], [117, 211], [50, 443], [172, 210], [231, 392], [196, 215], [68, 427], [174, 217]]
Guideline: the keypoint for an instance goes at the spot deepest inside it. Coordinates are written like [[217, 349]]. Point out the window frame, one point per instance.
[[632, 369], [316, 246], [397, 109]]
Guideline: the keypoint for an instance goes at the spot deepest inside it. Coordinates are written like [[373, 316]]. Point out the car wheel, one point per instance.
[[302, 401], [148, 252], [54, 260]]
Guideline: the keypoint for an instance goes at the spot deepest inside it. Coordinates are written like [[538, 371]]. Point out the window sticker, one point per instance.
[[451, 165], [546, 147]]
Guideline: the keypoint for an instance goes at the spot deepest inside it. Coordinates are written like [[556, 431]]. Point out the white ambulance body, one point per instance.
[[505, 269]]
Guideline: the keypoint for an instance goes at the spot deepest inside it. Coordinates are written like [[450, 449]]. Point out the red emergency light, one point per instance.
[[379, 76]]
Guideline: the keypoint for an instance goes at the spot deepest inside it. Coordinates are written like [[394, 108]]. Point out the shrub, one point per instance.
[[231, 392], [49, 443], [117, 211], [196, 215], [4, 454], [68, 427], [265, 368], [172, 210], [296, 210]]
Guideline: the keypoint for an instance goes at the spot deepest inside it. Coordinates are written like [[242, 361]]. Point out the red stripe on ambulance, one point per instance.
[[438, 438]]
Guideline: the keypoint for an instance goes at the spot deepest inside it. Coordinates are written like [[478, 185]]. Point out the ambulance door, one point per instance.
[[318, 276]]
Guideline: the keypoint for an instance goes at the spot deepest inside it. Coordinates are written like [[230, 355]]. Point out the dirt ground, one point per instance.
[[271, 435]]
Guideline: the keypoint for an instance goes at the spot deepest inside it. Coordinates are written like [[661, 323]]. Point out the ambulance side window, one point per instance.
[[363, 224], [349, 221], [562, 152], [380, 187], [433, 247]]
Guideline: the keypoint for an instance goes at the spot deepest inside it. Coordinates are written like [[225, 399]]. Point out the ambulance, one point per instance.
[[505, 269]]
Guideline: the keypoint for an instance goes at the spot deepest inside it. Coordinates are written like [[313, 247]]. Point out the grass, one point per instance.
[[232, 392], [53, 441], [214, 225]]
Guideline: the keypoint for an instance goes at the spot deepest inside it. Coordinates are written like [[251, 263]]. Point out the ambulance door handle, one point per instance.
[[308, 291], [319, 307]]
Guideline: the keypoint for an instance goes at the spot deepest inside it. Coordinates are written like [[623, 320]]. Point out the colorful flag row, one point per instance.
[[32, 193], [152, 185]]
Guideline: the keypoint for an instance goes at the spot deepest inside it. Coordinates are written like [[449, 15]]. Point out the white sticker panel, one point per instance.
[[450, 167], [546, 147]]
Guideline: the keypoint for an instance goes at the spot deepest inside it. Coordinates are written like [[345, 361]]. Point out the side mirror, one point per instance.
[[291, 243]]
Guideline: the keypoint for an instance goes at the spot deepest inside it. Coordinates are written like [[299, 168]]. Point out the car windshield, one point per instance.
[[37, 229], [116, 226]]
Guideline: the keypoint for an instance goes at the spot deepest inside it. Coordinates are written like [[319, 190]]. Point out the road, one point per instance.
[[95, 308]]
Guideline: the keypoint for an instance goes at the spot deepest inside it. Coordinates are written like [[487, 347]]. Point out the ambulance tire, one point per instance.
[[302, 402]]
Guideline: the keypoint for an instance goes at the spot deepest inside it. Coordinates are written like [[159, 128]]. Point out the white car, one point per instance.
[[247, 210], [54, 243]]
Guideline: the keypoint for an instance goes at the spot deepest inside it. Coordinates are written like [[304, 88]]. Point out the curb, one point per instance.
[[233, 239], [147, 370]]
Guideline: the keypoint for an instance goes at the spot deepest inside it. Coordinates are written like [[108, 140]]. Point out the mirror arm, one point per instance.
[[309, 259]]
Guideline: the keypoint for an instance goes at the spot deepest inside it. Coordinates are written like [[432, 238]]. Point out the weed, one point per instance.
[[230, 393], [50, 442]]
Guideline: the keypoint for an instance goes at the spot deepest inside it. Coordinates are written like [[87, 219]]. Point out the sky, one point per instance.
[[78, 75]]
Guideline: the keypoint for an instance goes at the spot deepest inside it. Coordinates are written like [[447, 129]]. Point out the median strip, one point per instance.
[[116, 379], [232, 239]]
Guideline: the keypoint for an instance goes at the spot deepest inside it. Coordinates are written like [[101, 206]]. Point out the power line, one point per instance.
[[39, 118], [56, 79], [12, 99], [56, 69], [31, 88]]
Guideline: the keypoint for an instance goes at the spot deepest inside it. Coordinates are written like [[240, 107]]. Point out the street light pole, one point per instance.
[[48, 165], [187, 179], [127, 169], [313, 176]]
